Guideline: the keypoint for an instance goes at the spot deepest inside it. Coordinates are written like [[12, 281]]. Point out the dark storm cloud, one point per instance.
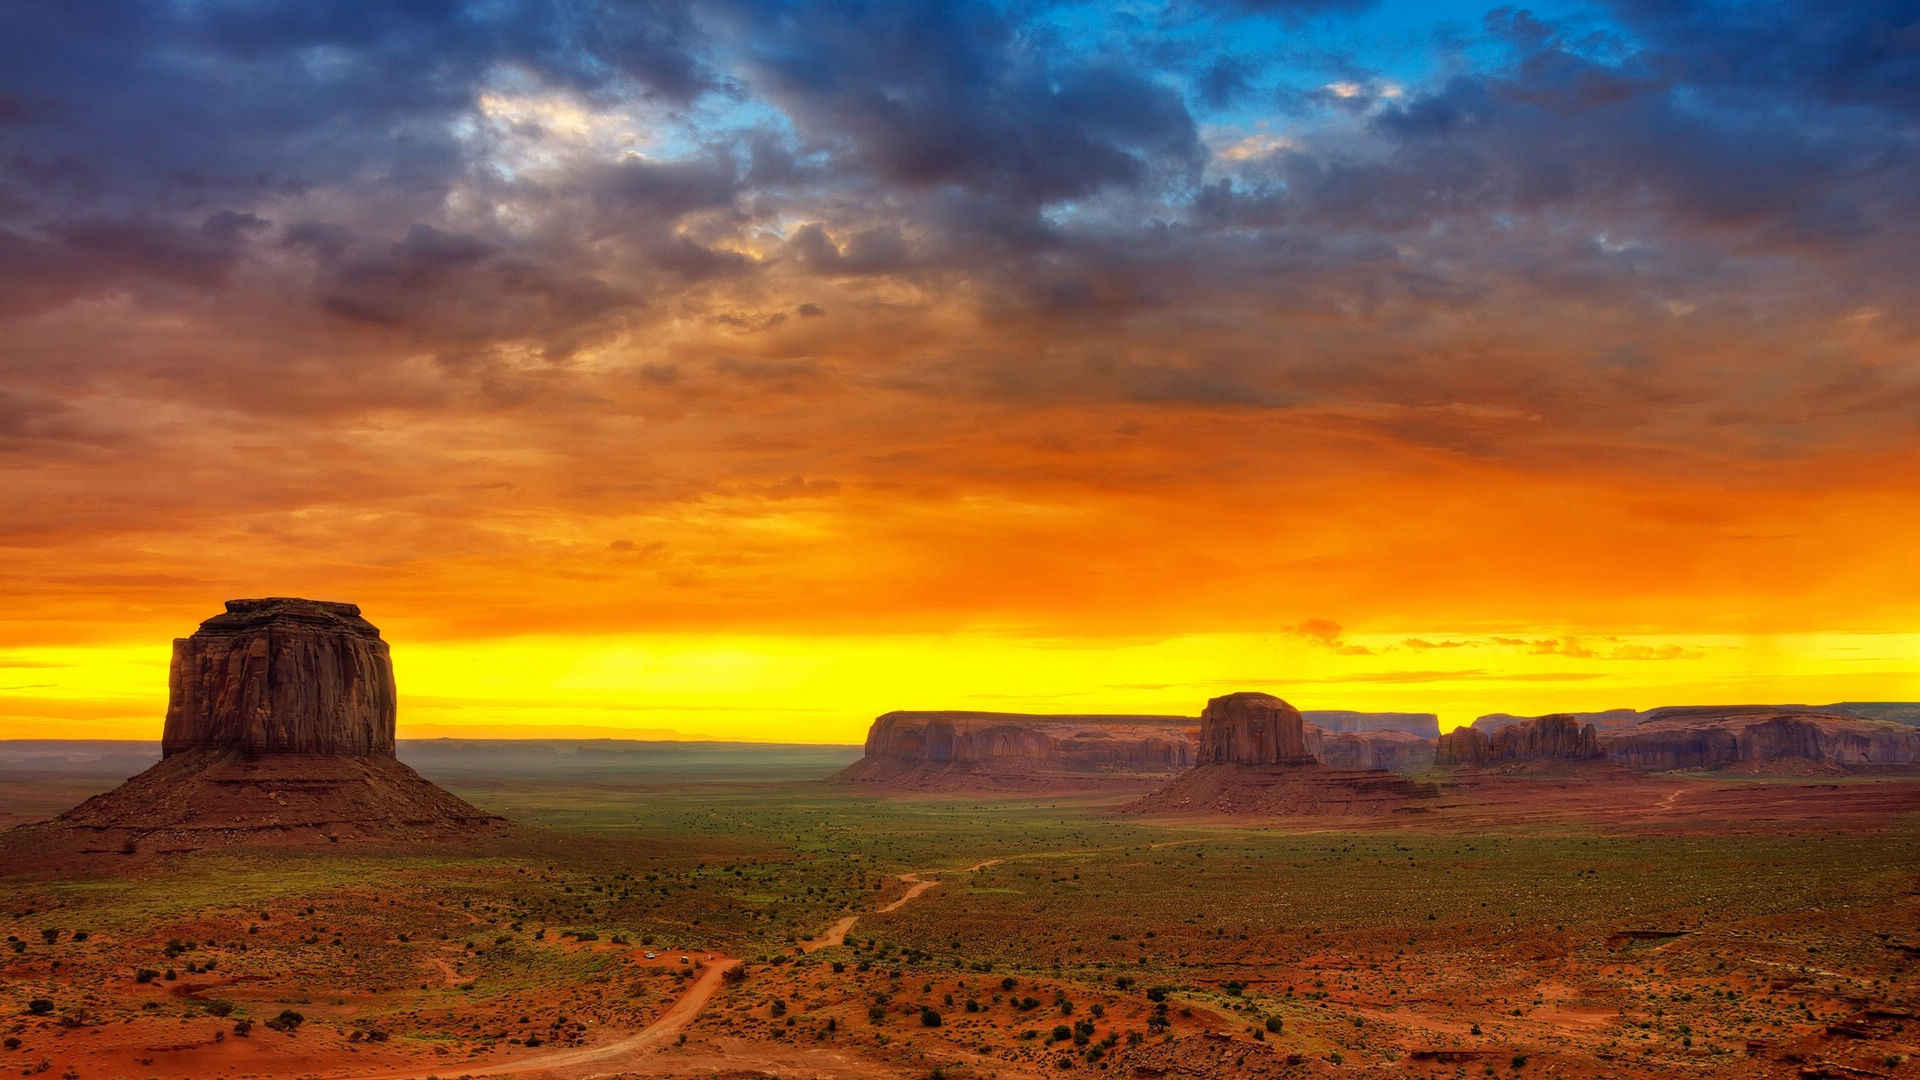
[[993, 207], [929, 94], [237, 95]]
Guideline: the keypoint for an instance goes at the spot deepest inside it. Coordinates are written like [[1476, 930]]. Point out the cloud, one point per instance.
[[1329, 634], [1108, 299]]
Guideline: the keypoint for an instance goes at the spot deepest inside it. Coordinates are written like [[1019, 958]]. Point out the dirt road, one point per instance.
[[589, 1061]]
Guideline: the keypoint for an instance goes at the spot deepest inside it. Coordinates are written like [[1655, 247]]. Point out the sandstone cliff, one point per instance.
[[1258, 756], [1392, 751], [1762, 738], [1425, 724], [282, 675], [960, 749], [1252, 729], [1558, 737]]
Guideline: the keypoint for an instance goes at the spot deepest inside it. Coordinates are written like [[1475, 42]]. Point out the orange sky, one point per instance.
[[654, 372]]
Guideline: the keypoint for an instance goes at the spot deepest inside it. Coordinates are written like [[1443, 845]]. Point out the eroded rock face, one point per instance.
[[282, 675], [1025, 742], [279, 732], [1424, 724], [1761, 738], [1557, 737], [1252, 729], [1393, 751]]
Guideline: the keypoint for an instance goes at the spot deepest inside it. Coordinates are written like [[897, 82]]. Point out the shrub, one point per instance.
[[40, 1006], [928, 1017]]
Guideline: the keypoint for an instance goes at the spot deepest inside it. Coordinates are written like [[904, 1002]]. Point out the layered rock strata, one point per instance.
[[1558, 737], [1250, 728]]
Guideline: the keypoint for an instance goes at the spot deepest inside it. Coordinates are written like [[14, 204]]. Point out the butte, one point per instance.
[[279, 732]]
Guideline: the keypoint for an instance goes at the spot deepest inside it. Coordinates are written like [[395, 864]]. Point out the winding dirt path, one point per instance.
[[611, 1055], [614, 1054]]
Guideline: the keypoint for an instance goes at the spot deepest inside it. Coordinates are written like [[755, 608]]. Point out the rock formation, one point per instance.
[[1257, 755], [281, 676], [1393, 751], [967, 749], [1762, 738], [1252, 729], [1558, 737], [1605, 720], [1424, 724], [279, 730]]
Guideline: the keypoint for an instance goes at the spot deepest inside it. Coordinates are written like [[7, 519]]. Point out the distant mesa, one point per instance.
[[1258, 755], [1763, 739], [1387, 749], [1894, 712], [1558, 737], [1424, 724], [1020, 750], [279, 730], [1605, 720]]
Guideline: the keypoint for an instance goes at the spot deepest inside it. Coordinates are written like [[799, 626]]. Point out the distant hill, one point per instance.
[[1605, 720], [1897, 712], [1424, 724]]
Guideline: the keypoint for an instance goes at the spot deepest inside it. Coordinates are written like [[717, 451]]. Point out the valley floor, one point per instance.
[[1725, 928]]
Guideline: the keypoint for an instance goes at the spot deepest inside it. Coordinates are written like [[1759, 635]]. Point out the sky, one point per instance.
[[745, 369]]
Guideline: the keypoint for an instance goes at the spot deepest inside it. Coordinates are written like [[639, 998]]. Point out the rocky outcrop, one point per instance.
[[279, 731], [1252, 729], [1762, 738], [282, 676], [961, 749], [1605, 720], [1392, 751], [1558, 737], [1258, 756], [1423, 724]]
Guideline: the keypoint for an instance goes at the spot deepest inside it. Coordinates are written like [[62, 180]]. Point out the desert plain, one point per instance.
[[748, 918]]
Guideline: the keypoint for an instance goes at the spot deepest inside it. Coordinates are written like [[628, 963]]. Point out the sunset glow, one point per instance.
[[748, 370]]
